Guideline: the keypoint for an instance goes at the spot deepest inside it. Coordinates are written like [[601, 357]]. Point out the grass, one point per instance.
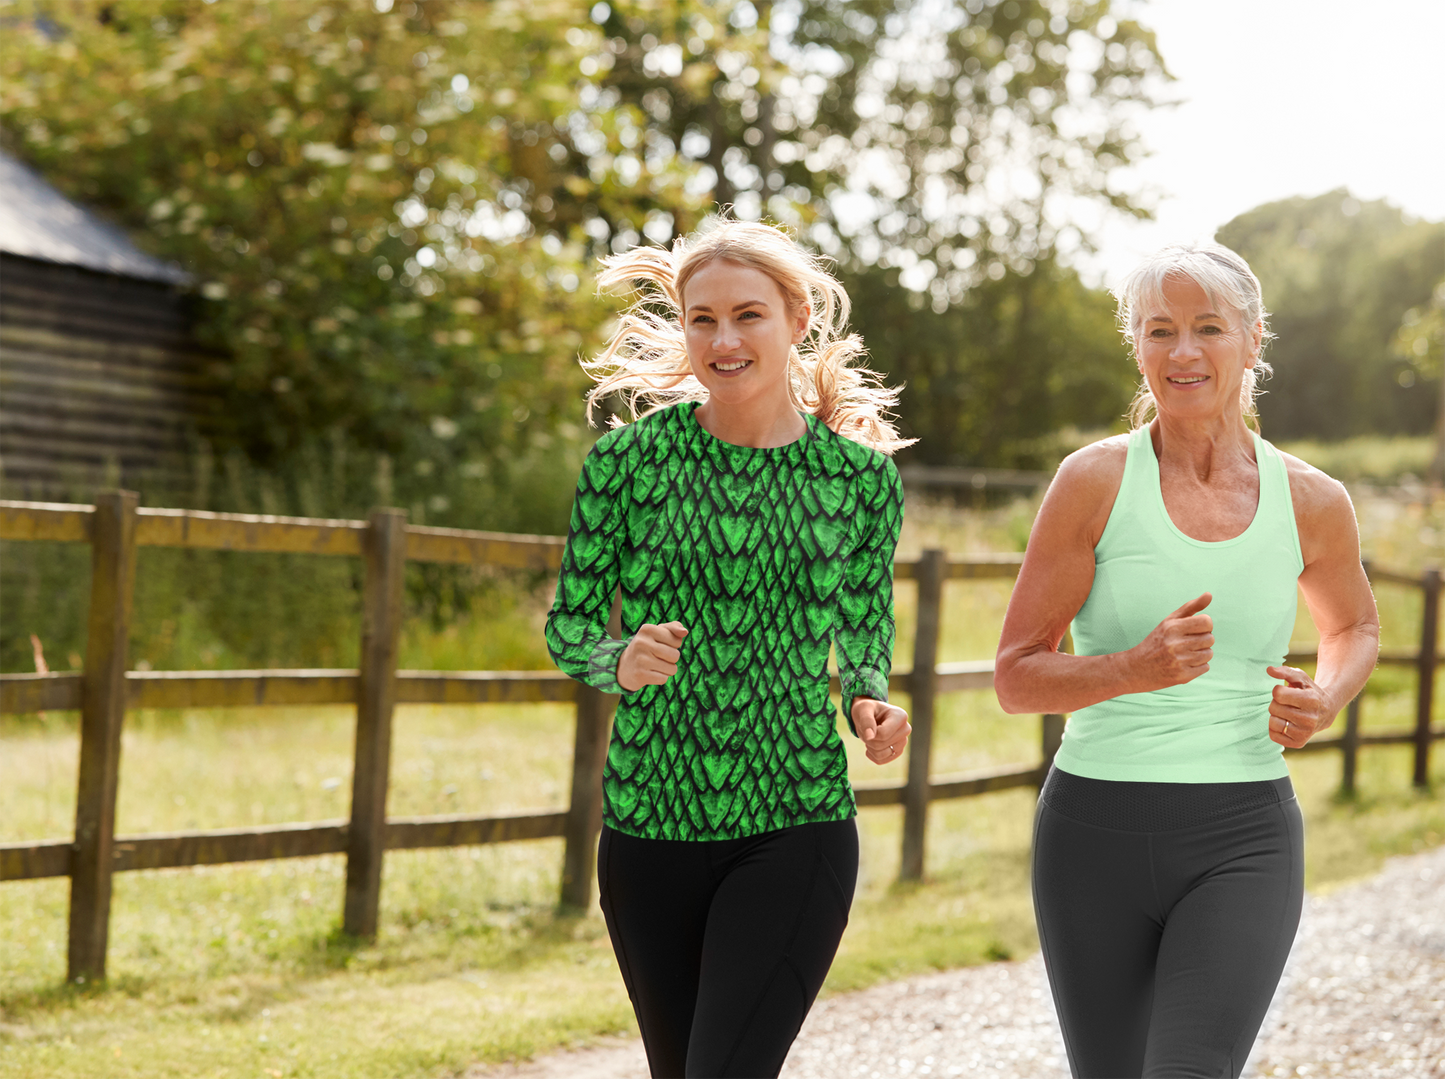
[[241, 971]]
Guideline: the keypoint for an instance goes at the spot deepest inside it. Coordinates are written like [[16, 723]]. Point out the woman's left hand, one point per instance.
[[1298, 708], [883, 727]]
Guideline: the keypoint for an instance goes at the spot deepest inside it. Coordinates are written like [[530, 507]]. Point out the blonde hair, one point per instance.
[[646, 358], [1228, 282]]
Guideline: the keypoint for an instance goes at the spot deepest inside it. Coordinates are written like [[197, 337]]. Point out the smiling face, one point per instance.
[[740, 332], [1194, 352]]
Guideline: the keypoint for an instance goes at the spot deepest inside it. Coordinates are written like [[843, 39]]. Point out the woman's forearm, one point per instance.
[[1344, 662], [1050, 681]]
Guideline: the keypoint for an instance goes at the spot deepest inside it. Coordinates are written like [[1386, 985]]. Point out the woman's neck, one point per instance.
[[754, 426], [1203, 448]]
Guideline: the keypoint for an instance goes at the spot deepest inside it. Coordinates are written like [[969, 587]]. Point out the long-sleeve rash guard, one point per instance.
[[767, 556]]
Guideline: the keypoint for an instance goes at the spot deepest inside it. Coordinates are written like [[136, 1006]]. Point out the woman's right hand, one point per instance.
[[651, 658], [1177, 650]]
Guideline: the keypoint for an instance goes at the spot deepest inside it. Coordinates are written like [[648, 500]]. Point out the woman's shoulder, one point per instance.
[[1081, 497], [1320, 500], [1095, 468], [859, 460]]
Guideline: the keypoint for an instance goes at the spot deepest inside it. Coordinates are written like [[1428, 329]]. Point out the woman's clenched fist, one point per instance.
[[651, 658]]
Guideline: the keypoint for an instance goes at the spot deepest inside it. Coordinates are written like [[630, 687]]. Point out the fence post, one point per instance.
[[385, 570], [1426, 692], [584, 813], [589, 756], [923, 690], [1350, 745], [102, 710]]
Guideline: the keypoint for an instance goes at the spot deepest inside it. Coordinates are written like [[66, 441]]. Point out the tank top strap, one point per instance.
[[1276, 506], [1140, 479]]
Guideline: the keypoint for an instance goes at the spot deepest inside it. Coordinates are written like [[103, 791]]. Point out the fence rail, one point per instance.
[[116, 526]]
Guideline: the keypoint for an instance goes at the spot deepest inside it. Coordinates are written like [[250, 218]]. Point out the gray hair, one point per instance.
[[1228, 282]]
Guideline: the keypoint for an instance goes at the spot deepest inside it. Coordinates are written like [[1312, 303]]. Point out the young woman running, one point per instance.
[[1168, 847], [750, 517]]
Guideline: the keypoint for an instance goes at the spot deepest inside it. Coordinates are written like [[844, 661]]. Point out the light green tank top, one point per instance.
[[1214, 729]]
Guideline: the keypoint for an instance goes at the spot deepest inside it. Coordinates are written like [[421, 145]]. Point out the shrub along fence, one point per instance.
[[116, 526]]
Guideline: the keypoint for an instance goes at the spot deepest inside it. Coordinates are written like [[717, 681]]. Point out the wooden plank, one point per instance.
[[1381, 575], [968, 784], [415, 833], [970, 674], [76, 352], [248, 532], [375, 702], [923, 698], [1386, 738], [240, 689], [878, 794], [996, 567], [26, 693], [31, 861], [984, 567], [176, 849], [473, 548], [483, 687], [973, 479], [102, 709], [960, 785], [57, 521]]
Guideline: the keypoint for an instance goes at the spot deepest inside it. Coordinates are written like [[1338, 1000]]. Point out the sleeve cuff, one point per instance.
[[863, 682], [602, 665]]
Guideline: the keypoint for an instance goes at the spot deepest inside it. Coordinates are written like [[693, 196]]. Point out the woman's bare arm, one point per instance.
[[1340, 602], [1030, 673]]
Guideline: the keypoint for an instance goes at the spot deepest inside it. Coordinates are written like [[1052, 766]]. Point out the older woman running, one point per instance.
[[1168, 846]]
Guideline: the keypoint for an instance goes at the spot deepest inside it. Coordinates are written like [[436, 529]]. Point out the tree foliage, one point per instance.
[[938, 149], [992, 379], [1348, 283], [383, 207], [953, 140], [393, 208]]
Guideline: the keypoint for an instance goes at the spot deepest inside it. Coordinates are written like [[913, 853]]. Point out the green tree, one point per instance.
[[991, 379], [941, 151], [1420, 342], [384, 206], [1341, 277]]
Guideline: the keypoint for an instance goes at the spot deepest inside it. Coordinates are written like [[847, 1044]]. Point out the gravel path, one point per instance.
[[1363, 996]]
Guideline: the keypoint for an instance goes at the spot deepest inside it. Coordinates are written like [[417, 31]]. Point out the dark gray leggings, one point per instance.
[[1166, 912]]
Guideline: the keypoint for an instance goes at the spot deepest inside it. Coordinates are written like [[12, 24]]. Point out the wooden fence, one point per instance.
[[115, 527]]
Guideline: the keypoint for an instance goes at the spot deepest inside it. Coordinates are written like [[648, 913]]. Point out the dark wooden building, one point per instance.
[[101, 382]]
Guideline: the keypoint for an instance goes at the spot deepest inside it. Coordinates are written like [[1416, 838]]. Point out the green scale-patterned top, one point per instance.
[[767, 556]]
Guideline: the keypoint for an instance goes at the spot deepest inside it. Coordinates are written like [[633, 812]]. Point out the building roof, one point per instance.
[[38, 222]]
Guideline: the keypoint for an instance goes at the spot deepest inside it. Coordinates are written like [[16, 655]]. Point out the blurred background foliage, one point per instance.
[[1357, 290], [393, 210]]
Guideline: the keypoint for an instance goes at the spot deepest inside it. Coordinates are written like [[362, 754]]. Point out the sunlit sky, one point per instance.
[[1284, 98]]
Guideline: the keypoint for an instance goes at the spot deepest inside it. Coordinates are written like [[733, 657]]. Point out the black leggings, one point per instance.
[[725, 944], [1166, 912]]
